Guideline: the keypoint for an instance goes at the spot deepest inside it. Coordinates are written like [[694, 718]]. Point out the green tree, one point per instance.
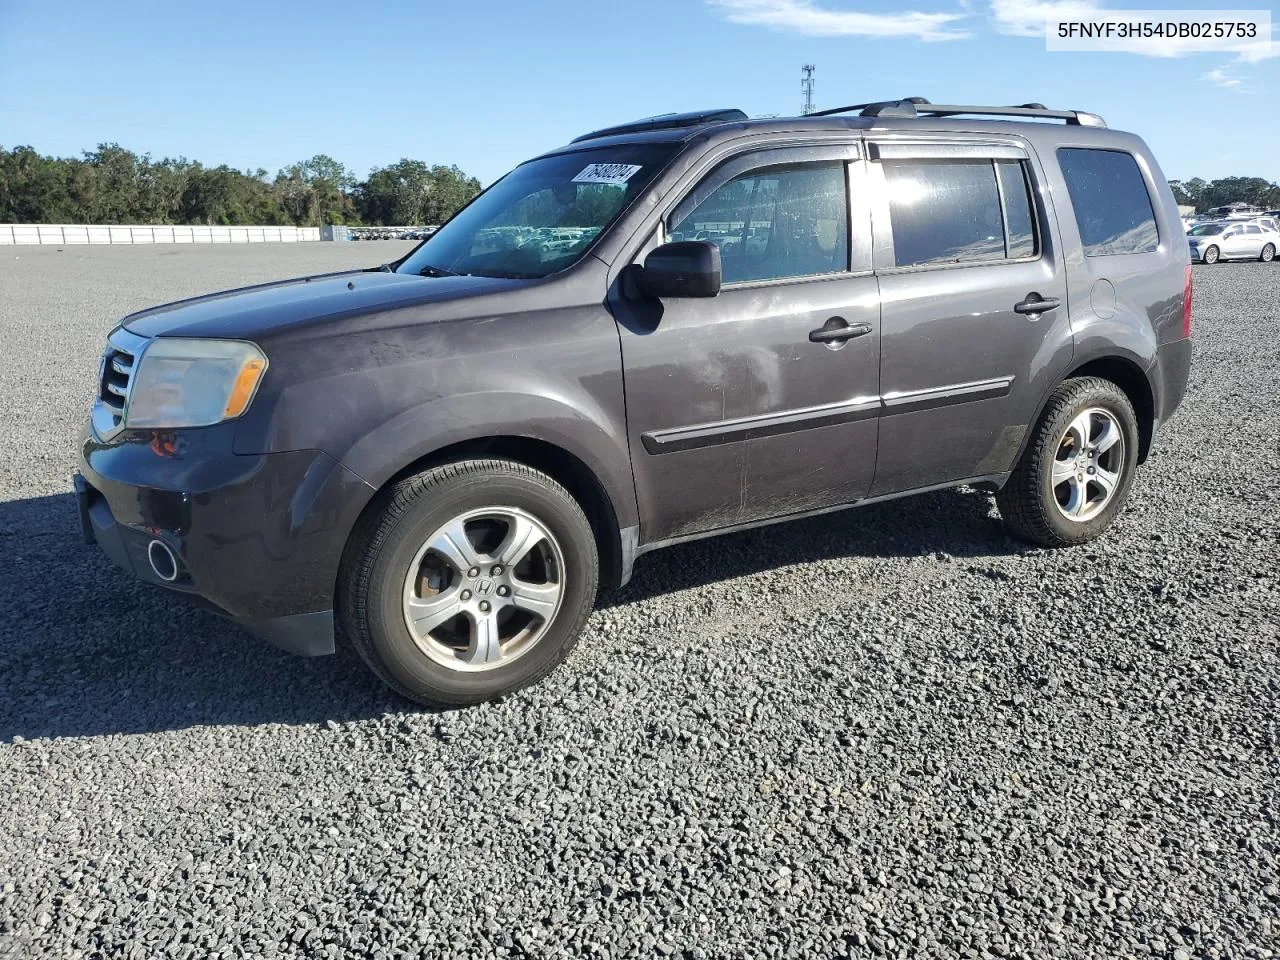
[[34, 189], [396, 194], [315, 191], [410, 193], [451, 190], [114, 185], [1194, 189]]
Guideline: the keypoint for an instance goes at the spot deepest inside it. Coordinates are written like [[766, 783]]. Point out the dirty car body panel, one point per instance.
[[694, 416]]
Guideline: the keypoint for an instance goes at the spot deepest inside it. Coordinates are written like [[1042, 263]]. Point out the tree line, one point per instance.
[[114, 185], [1204, 195]]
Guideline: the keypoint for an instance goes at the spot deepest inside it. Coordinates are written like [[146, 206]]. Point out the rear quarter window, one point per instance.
[[1112, 205]]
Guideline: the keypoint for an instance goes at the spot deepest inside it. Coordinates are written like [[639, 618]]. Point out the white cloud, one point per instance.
[[1026, 18], [1019, 18], [1221, 78], [808, 18], [1262, 51]]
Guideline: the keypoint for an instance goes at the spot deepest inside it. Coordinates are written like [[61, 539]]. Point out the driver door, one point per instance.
[[735, 410]]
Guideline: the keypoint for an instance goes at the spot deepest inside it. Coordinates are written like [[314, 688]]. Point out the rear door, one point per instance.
[[1252, 240], [761, 401], [974, 306]]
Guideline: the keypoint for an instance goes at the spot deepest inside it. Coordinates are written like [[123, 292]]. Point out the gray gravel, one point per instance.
[[892, 732]]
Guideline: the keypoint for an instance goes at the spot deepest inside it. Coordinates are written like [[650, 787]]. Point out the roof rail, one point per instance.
[[665, 121], [912, 107]]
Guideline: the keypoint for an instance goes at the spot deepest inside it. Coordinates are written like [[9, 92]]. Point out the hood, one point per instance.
[[252, 312]]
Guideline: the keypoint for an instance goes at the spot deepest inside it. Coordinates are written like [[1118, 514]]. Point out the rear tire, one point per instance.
[[1075, 474], [1268, 253], [1211, 255], [468, 581]]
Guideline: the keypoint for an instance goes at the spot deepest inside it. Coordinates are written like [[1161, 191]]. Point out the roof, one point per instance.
[[913, 113]]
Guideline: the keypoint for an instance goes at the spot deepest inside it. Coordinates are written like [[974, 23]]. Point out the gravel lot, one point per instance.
[[892, 732]]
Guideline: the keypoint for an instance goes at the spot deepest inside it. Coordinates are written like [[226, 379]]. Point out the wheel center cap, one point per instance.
[[484, 587]]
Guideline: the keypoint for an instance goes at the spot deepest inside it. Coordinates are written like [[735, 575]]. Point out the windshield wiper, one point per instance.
[[510, 275], [430, 271]]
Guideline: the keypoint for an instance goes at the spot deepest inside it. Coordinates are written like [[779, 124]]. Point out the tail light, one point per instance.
[[1186, 305]]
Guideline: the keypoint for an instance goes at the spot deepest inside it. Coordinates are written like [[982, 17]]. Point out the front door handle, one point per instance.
[[837, 330], [1036, 304]]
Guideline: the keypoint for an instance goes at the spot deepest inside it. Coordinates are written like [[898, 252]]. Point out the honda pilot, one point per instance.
[[665, 330]]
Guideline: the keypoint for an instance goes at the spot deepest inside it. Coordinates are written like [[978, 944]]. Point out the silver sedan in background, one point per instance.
[[1232, 240]]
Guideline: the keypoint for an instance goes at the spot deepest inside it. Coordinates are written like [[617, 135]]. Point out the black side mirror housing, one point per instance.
[[683, 268]]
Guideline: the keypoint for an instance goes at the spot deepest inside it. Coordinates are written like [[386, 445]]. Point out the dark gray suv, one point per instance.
[[665, 330]]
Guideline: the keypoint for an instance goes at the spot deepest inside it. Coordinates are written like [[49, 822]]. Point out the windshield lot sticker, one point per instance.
[[616, 173]]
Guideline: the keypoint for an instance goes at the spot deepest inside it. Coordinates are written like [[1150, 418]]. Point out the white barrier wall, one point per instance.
[[44, 233]]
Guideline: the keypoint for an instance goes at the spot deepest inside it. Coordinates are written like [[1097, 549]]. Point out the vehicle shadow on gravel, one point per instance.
[[85, 650], [957, 523]]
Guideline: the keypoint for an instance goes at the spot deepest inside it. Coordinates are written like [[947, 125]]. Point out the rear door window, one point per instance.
[[1112, 205], [960, 211], [944, 211]]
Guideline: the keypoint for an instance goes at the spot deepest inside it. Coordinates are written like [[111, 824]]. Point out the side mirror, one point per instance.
[[685, 268]]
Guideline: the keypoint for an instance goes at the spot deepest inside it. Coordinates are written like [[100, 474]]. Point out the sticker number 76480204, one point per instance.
[[616, 173]]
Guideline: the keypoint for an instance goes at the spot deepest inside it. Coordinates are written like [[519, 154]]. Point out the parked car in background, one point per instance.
[[449, 454], [1234, 211], [1232, 240]]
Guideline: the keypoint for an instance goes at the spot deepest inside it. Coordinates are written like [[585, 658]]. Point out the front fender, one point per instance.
[[420, 431]]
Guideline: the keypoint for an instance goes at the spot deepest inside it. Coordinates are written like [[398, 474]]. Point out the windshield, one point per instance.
[[541, 217], [1205, 230]]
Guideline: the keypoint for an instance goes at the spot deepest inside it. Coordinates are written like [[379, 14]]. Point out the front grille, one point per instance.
[[117, 371], [118, 364]]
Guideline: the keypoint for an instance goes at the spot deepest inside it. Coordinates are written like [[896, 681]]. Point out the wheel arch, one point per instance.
[[1132, 379], [1126, 373], [559, 463]]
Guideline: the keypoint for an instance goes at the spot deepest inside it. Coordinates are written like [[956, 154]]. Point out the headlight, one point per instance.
[[193, 383]]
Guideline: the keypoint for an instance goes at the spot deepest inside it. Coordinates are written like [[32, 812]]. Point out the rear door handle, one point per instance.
[[1036, 304], [836, 330]]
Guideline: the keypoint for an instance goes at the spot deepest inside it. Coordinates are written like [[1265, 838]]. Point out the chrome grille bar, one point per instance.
[[118, 363]]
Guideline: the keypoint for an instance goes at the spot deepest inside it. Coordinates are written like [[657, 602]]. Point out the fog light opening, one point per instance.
[[163, 562]]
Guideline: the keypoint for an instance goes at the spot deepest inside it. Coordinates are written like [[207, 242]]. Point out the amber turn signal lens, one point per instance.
[[246, 383]]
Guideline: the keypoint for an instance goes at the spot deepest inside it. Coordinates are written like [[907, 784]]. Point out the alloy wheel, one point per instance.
[[1087, 466], [484, 588]]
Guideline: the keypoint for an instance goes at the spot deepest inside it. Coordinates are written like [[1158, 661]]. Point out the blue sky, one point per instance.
[[487, 84]]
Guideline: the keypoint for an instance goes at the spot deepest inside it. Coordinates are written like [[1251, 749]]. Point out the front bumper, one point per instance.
[[257, 538]]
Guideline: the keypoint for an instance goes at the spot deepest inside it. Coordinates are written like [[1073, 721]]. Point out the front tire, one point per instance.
[[1268, 253], [1211, 255], [469, 581], [1075, 474]]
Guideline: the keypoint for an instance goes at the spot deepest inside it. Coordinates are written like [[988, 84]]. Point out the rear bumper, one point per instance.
[[1172, 371], [257, 538]]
